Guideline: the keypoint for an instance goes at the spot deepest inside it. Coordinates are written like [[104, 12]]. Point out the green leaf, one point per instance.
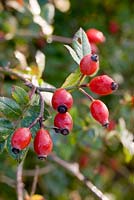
[[2, 146], [40, 60], [18, 156], [6, 128], [81, 44], [9, 108], [20, 95], [73, 54], [72, 79]]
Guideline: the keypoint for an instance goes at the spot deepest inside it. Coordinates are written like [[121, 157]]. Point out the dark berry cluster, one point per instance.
[[62, 101]]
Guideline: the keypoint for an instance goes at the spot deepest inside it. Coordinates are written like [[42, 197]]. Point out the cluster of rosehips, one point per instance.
[[101, 85], [62, 101], [43, 143]]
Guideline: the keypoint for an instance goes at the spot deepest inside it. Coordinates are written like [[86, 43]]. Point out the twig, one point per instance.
[[20, 185], [61, 39], [9, 72], [43, 170], [74, 169], [35, 180], [86, 94], [7, 180]]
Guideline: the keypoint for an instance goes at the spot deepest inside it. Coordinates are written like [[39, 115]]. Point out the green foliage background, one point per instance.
[[109, 162]]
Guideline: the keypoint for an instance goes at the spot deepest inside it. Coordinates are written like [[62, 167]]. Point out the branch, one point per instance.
[[43, 170], [20, 185], [74, 169], [35, 180], [7, 180]]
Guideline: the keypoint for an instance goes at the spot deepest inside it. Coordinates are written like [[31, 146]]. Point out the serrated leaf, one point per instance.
[[6, 128], [72, 79], [18, 156], [81, 44], [20, 95], [2, 146], [73, 54], [9, 108]]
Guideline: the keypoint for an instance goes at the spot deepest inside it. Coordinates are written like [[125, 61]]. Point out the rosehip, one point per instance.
[[113, 27], [100, 112], [95, 36], [43, 143], [89, 64], [103, 85], [64, 122], [20, 139], [62, 100]]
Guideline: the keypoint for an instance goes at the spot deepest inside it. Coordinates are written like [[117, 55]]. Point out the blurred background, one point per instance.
[[104, 156]]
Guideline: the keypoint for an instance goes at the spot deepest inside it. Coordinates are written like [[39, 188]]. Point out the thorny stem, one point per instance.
[[74, 169], [86, 94]]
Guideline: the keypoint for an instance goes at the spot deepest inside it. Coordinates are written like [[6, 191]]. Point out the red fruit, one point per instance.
[[100, 112], [95, 36], [20, 139], [43, 143], [62, 100], [132, 101], [89, 64], [83, 161], [64, 122], [103, 85], [113, 27]]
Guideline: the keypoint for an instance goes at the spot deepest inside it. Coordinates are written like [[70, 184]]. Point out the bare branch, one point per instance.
[[43, 170], [7, 180], [35, 180], [74, 169], [20, 185]]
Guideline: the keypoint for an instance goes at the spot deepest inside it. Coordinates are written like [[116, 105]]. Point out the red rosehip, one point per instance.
[[132, 101], [21, 139], [113, 27], [95, 36], [89, 64], [64, 122], [83, 161], [43, 143], [62, 100], [103, 85], [100, 112]]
